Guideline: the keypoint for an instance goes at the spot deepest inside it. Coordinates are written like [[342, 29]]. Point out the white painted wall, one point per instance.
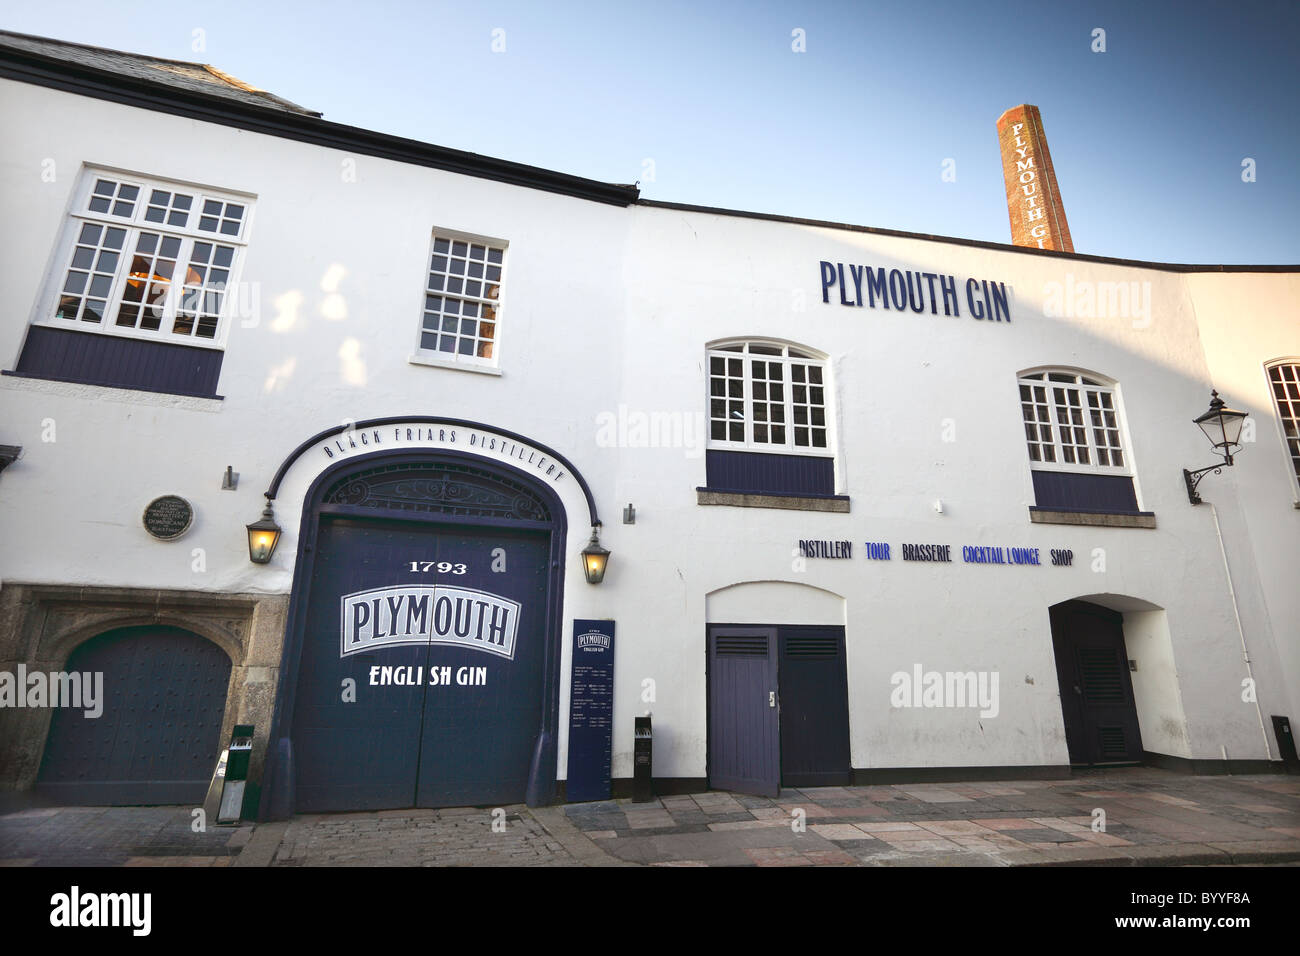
[[899, 379], [608, 309], [774, 602], [1161, 717], [1245, 322]]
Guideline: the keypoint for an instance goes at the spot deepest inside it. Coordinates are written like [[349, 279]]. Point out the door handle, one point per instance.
[[1077, 691], [771, 698]]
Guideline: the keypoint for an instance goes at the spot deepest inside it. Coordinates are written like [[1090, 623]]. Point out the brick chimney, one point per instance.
[[1033, 199]]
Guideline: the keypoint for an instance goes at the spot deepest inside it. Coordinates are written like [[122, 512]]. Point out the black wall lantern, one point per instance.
[[263, 536], [594, 557], [9, 454], [1222, 426]]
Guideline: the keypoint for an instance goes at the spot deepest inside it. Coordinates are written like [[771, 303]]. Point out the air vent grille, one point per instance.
[[742, 645], [1103, 681], [1113, 742], [813, 646]]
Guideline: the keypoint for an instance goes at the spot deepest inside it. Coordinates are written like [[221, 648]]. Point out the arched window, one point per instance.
[[768, 396], [1072, 422], [1078, 454], [770, 434], [150, 268], [1284, 384]]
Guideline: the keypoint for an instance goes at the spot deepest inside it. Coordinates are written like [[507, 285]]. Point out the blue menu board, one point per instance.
[[591, 711]]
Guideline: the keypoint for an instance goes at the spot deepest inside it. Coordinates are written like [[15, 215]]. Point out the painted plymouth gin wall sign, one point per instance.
[[438, 614], [874, 287]]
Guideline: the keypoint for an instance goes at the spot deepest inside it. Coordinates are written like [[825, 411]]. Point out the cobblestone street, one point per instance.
[[114, 836], [454, 837]]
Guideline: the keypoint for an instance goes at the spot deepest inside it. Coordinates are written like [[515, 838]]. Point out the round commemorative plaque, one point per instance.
[[168, 517]]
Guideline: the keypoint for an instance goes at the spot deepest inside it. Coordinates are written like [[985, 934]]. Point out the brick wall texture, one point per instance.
[[1033, 199]]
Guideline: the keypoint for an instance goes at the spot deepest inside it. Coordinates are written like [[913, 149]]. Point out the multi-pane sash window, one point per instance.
[[1071, 422], [462, 300], [767, 396], [149, 259], [1284, 380]]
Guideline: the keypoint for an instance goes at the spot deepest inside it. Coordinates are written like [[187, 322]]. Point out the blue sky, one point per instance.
[[709, 104]]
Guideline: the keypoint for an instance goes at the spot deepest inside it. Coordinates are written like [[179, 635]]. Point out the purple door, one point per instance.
[[814, 708], [744, 742]]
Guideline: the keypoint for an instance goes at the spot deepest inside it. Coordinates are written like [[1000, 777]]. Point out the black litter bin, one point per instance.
[[642, 762]]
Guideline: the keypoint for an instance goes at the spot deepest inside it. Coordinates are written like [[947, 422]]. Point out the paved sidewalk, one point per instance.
[[1151, 817], [113, 836]]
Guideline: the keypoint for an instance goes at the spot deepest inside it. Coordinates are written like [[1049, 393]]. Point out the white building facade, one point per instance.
[[903, 507]]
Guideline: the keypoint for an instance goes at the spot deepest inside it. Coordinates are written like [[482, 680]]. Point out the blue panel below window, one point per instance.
[[1102, 494], [758, 473], [92, 358]]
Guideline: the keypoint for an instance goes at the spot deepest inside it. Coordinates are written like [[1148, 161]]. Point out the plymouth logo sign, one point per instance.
[[457, 617], [593, 641]]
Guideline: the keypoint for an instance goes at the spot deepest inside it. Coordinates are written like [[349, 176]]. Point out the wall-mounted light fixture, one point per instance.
[[1222, 426], [594, 557], [263, 536], [9, 454]]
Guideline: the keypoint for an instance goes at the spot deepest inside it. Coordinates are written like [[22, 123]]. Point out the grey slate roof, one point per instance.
[[179, 74]]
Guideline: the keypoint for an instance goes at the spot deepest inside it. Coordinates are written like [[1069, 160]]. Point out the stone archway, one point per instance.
[[142, 724], [41, 626]]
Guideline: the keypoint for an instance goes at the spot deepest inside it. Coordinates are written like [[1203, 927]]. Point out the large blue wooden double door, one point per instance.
[[422, 678]]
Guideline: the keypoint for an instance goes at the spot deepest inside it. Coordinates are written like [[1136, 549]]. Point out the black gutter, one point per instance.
[[975, 243], [54, 73]]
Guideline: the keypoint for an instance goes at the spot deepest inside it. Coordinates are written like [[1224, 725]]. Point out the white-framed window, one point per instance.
[[147, 258], [1072, 422], [768, 396], [461, 319], [1284, 385]]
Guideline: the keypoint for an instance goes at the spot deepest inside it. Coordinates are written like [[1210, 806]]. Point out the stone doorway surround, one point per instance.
[[41, 625]]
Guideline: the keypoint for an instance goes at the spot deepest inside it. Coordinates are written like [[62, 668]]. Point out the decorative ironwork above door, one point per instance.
[[438, 488]]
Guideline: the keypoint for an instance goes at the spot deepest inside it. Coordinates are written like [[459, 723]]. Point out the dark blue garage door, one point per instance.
[[442, 629], [157, 738]]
